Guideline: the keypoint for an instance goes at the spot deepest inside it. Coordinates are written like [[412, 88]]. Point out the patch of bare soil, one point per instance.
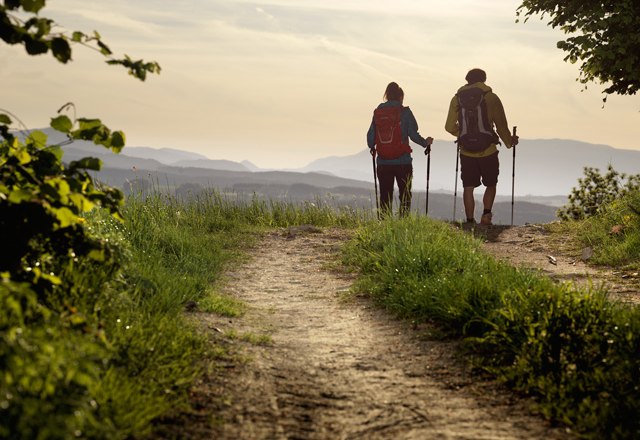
[[531, 246], [336, 368]]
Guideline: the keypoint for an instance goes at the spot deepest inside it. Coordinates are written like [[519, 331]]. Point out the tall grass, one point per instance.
[[421, 268], [572, 349], [613, 234]]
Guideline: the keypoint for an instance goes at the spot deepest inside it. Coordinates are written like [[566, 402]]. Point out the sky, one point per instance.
[[283, 82]]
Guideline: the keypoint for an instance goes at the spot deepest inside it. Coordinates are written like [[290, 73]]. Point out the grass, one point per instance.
[[571, 349], [613, 234]]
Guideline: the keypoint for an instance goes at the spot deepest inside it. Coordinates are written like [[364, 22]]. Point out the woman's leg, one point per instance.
[[385, 178], [404, 175]]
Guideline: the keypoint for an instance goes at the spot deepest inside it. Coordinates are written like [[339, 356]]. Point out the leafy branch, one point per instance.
[[604, 38], [38, 37]]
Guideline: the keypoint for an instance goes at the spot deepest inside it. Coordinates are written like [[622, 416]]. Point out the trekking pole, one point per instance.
[[455, 191], [375, 181], [427, 152], [513, 175]]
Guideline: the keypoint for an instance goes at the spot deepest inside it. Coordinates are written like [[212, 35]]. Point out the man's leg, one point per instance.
[[489, 197], [469, 203], [487, 201], [490, 167], [404, 176], [470, 173]]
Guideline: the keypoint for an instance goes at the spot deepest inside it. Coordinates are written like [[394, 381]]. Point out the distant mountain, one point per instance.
[[250, 166], [212, 164], [544, 167], [167, 156], [139, 157]]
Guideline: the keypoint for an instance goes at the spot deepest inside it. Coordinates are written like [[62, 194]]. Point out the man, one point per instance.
[[473, 113]]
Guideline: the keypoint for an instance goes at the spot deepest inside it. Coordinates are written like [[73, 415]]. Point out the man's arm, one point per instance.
[[499, 119], [452, 118]]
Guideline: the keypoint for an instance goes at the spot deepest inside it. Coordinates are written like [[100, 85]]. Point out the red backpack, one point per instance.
[[389, 144]]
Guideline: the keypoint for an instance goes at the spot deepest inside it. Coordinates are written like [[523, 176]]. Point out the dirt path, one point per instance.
[[531, 246], [337, 369]]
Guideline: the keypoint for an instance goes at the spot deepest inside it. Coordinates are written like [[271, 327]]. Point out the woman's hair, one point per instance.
[[476, 75], [393, 92]]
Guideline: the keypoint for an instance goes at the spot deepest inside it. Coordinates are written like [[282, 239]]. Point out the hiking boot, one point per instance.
[[469, 224], [486, 219]]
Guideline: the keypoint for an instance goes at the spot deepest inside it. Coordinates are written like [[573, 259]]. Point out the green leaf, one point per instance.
[[23, 156], [56, 151], [65, 217], [4, 119], [12, 4], [20, 195], [38, 138], [87, 163], [104, 49], [61, 49], [61, 123], [81, 202], [35, 46], [117, 141], [88, 124], [32, 5], [78, 36], [62, 186]]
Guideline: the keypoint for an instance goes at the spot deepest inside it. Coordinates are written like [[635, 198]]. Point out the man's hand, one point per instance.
[[514, 141], [372, 151]]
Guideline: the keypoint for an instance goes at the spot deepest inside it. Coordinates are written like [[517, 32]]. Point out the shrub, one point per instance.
[[595, 190]]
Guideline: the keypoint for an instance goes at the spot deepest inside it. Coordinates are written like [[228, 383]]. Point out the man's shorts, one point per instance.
[[476, 168]]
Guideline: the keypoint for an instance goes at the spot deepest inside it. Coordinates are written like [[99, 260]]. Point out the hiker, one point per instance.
[[388, 137], [473, 113]]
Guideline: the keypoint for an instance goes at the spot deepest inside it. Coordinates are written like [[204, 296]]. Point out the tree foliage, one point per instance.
[[604, 38], [52, 346], [595, 191], [21, 24]]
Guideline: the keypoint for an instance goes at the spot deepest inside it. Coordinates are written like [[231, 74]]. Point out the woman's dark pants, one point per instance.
[[387, 175]]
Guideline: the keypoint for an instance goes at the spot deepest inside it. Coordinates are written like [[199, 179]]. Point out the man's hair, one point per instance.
[[476, 75], [393, 92]]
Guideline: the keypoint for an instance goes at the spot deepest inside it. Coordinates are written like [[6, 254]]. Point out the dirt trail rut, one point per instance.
[[338, 369]]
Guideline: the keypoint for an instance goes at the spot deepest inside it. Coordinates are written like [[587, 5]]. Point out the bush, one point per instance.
[[595, 190]]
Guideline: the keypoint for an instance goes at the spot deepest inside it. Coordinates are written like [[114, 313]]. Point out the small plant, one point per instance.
[[612, 234], [595, 191]]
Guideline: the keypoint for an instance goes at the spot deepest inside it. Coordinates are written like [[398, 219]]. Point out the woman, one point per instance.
[[388, 137]]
